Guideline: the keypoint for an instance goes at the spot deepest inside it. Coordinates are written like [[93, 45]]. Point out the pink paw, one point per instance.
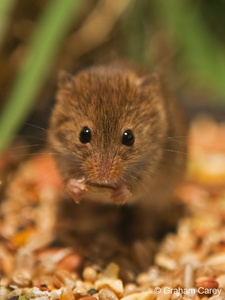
[[120, 195], [76, 189]]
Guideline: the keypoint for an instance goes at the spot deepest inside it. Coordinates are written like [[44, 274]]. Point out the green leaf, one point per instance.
[[200, 49], [44, 45]]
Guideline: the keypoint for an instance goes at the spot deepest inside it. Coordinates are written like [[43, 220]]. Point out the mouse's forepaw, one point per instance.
[[120, 195], [76, 189]]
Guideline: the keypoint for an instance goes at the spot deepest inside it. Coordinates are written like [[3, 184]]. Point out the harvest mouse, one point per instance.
[[118, 135]]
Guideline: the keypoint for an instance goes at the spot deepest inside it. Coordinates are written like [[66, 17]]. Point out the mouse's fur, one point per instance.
[[110, 100]]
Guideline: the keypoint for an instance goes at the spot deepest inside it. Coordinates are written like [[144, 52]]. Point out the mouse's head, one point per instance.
[[108, 126]]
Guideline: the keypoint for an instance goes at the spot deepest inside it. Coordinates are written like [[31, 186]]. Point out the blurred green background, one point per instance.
[[183, 39]]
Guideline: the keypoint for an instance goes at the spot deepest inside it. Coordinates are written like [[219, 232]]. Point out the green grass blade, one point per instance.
[[201, 50], [44, 44]]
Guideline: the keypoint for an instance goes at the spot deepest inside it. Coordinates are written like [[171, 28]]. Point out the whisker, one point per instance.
[[177, 137], [41, 153], [25, 146], [37, 127], [176, 151]]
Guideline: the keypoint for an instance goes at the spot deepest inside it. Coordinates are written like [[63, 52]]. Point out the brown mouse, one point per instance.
[[118, 135]]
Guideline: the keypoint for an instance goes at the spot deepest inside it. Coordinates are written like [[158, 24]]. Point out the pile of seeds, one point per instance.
[[80, 261]]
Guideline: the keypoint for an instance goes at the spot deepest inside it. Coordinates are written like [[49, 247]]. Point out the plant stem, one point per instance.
[[44, 45]]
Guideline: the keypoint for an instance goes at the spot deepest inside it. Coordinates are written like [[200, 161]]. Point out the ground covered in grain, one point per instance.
[[80, 255]]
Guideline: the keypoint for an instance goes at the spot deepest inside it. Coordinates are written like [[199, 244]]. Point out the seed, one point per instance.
[[4, 294], [176, 296], [22, 278], [92, 291], [206, 283], [67, 294], [89, 274], [216, 259], [15, 293], [107, 294], [65, 278], [80, 291], [70, 263], [113, 284], [88, 298], [221, 281], [143, 278], [148, 295], [188, 276], [43, 281], [130, 288], [43, 287], [111, 271], [165, 261], [163, 295]]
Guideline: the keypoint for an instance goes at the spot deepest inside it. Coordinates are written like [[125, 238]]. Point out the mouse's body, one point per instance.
[[117, 135]]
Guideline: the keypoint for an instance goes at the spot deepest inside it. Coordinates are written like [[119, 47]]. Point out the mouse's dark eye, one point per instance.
[[85, 135], [128, 138]]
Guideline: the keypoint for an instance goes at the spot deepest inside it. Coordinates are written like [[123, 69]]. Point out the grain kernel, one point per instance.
[[107, 294], [206, 283], [89, 274]]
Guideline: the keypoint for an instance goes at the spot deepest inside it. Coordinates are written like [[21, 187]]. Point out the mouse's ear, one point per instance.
[[152, 79], [65, 80]]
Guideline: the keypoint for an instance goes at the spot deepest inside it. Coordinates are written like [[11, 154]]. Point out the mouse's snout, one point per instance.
[[103, 170]]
